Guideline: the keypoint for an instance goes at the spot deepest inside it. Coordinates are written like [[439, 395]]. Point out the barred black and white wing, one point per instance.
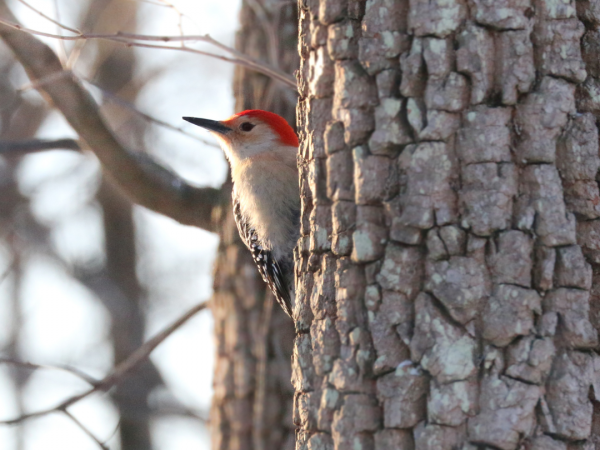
[[272, 272]]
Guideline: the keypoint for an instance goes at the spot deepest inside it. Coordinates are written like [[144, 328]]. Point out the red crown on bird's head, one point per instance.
[[277, 123]]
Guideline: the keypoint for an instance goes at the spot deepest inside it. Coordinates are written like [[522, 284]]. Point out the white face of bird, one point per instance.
[[249, 134]]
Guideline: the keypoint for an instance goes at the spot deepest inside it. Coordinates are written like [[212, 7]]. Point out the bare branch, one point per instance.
[[31, 366], [107, 96], [172, 407], [55, 22], [7, 271], [62, 48], [181, 411], [86, 430], [10, 148], [131, 107], [115, 430], [44, 80], [119, 372], [142, 353], [144, 180], [131, 39], [180, 15]]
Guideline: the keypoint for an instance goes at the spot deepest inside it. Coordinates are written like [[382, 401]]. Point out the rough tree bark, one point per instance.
[[252, 403], [449, 265]]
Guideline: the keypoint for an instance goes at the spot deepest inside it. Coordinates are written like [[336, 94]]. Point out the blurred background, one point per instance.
[[85, 277]]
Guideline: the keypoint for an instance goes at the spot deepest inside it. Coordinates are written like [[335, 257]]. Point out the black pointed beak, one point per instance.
[[211, 125]]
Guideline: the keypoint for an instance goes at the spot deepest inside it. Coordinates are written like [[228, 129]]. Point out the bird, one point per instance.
[[261, 148]]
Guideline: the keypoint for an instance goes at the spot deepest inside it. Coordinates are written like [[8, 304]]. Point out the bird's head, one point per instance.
[[251, 133]]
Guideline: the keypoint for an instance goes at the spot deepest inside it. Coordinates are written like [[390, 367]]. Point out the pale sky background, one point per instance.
[[63, 322]]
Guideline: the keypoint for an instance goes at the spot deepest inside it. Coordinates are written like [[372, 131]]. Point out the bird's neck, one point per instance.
[[274, 179]]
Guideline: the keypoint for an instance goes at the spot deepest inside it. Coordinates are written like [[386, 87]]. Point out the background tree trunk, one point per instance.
[[25, 118], [450, 232], [252, 403], [117, 284]]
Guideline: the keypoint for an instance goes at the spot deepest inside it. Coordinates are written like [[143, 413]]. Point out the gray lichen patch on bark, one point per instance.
[[446, 351], [452, 404], [572, 307], [541, 118], [485, 136], [427, 172], [509, 313], [578, 163], [567, 396], [506, 412], [403, 394], [540, 206], [436, 17], [487, 197], [461, 284], [501, 14], [530, 359], [515, 72], [510, 258], [559, 49], [473, 57], [401, 270]]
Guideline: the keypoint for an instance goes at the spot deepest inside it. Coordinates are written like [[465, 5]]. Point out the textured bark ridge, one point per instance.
[[449, 262]]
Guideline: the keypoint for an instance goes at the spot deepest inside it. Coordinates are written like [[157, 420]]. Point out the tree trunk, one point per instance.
[[252, 403], [125, 300], [450, 232], [19, 119], [117, 284]]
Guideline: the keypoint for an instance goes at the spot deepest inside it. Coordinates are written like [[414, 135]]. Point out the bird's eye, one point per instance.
[[246, 126]]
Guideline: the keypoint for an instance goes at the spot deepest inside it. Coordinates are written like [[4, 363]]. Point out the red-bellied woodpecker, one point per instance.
[[261, 148]]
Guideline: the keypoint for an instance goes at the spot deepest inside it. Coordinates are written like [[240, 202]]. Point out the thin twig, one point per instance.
[[7, 271], [179, 13], [62, 53], [119, 372], [142, 353], [115, 430], [139, 175], [37, 145], [247, 62], [130, 106], [55, 22], [130, 39], [178, 409], [86, 430], [31, 366], [14, 146], [74, 55]]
